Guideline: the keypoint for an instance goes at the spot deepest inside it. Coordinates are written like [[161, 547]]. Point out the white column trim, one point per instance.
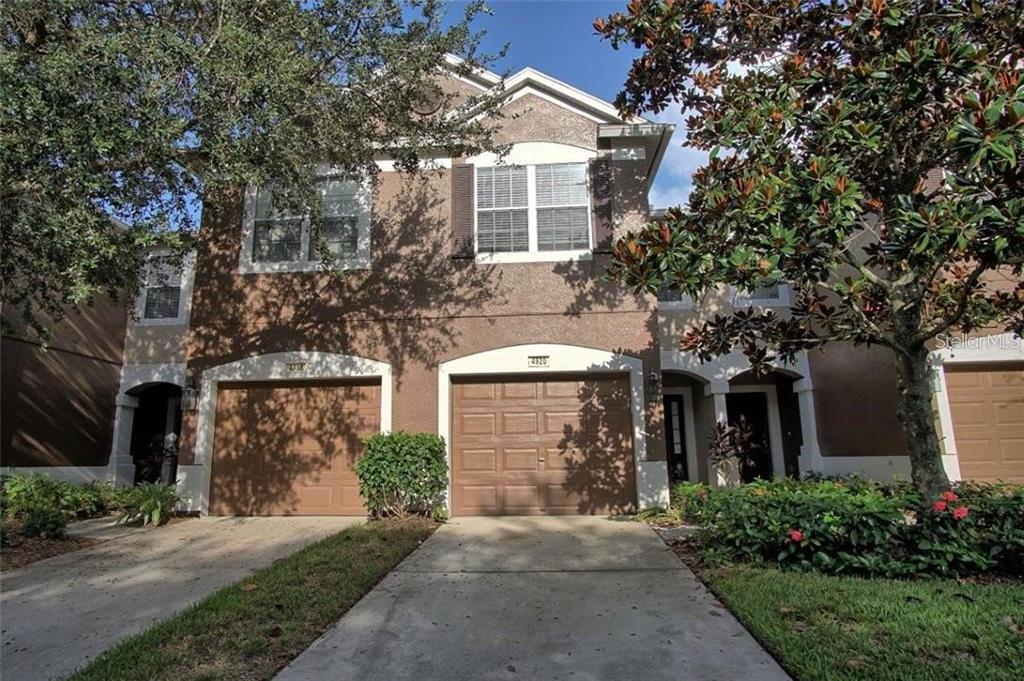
[[279, 366], [1003, 347], [651, 477], [120, 467]]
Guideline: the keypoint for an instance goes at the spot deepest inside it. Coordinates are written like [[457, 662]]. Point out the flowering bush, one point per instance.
[[865, 528]]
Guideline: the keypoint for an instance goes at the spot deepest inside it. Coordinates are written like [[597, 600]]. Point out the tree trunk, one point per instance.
[[918, 423]]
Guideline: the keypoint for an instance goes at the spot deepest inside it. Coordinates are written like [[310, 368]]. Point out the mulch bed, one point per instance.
[[27, 550]]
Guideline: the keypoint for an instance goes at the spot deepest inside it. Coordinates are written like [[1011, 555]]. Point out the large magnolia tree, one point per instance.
[[138, 110], [868, 153]]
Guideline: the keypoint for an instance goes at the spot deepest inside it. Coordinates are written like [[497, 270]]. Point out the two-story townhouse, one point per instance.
[[473, 305]]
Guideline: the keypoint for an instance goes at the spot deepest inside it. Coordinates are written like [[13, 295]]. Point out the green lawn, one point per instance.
[[251, 629], [840, 629]]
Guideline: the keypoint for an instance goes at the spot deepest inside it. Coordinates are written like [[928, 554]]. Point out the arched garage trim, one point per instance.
[[651, 476], [279, 366]]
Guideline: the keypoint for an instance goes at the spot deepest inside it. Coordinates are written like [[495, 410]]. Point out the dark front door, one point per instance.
[[675, 438], [748, 413]]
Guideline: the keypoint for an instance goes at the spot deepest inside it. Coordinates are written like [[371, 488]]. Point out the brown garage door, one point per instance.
[[542, 445], [289, 448], [987, 403]]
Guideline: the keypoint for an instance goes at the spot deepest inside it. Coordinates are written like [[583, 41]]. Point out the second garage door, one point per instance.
[[283, 448], [987, 405], [542, 445]]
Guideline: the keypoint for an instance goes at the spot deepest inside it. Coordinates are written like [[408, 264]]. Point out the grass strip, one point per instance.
[[252, 629], [825, 628]]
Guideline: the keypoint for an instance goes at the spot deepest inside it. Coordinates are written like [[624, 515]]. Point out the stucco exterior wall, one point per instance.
[[417, 306], [855, 401], [57, 403]]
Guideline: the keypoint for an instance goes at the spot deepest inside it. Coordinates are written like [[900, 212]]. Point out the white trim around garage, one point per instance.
[[996, 348], [279, 366], [651, 476]]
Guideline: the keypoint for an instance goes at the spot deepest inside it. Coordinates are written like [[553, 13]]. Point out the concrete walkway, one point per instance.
[[537, 598], [59, 613]]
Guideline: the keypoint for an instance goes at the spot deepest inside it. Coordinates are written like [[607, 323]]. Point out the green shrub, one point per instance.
[[148, 504], [48, 523], [691, 500], [866, 528], [403, 473], [24, 493]]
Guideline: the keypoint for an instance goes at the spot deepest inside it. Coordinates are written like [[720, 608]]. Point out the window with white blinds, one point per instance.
[[162, 294], [284, 240], [563, 207], [532, 208], [502, 201]]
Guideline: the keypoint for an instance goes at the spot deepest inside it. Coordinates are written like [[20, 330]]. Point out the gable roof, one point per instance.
[[530, 80]]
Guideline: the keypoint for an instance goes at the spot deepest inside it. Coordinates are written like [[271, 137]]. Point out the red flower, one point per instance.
[[939, 506], [950, 496], [796, 535], [960, 512]]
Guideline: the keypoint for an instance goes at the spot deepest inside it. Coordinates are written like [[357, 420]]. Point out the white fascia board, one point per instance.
[[532, 76], [486, 76]]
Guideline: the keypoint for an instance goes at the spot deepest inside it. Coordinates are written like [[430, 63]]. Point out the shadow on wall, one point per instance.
[[57, 404], [597, 449], [391, 312], [287, 448]]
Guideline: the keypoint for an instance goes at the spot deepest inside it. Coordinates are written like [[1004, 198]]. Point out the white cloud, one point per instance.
[[675, 178]]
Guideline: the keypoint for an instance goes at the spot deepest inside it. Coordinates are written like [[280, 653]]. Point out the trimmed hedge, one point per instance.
[[853, 526], [403, 473]]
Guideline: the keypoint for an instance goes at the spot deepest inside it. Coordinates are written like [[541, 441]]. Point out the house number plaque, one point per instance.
[[538, 361], [296, 366]]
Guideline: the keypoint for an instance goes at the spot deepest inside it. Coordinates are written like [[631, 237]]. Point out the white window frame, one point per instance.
[[531, 155], [184, 297], [743, 299], [361, 260]]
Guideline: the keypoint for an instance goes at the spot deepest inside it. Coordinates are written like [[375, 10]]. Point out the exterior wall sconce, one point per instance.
[[189, 397], [653, 384]]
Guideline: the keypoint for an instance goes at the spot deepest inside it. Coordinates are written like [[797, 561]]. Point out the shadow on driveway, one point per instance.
[[578, 598], [59, 613]]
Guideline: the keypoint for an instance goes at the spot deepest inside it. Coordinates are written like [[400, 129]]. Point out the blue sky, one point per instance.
[[558, 38]]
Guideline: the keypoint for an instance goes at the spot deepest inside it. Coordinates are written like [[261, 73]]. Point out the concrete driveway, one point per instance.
[[537, 598], [57, 614]]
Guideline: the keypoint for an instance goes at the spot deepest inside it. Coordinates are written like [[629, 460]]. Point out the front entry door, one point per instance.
[[749, 412], [675, 438]]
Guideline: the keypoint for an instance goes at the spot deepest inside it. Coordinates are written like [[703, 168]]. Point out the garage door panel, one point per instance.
[[478, 424], [553, 431], [289, 448], [987, 409], [479, 460], [520, 460]]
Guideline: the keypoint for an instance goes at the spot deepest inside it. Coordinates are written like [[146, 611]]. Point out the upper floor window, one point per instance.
[[162, 294], [279, 240], [543, 208], [166, 287], [769, 293]]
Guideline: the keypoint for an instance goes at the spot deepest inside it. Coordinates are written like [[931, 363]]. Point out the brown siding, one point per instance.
[[57, 404], [855, 401]]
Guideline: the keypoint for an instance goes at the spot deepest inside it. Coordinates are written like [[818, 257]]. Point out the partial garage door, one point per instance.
[[987, 404], [289, 448], [542, 445]]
